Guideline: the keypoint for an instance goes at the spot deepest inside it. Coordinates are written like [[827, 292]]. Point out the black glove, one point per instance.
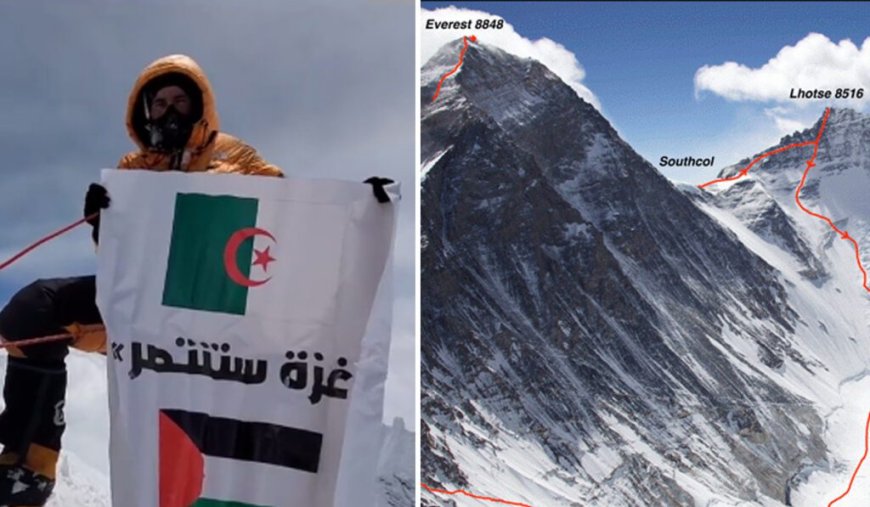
[[377, 184], [96, 199]]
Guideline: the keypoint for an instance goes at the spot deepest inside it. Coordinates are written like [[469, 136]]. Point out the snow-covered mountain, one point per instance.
[[823, 276], [594, 335]]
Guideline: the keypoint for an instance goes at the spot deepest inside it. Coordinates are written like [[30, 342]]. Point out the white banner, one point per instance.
[[248, 321]]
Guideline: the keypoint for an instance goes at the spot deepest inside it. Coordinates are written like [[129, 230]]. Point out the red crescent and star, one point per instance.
[[262, 257]]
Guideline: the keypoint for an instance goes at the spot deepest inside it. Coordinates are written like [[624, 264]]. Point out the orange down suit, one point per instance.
[[207, 150]]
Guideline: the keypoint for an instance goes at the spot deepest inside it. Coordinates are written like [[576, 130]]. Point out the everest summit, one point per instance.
[[594, 335]]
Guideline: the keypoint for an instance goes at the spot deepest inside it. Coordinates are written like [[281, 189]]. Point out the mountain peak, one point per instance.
[[563, 268], [487, 73], [507, 88], [839, 115], [476, 53]]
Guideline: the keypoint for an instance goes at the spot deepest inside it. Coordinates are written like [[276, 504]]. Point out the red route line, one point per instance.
[[843, 234], [757, 159], [456, 67], [860, 462], [797, 193], [472, 495]]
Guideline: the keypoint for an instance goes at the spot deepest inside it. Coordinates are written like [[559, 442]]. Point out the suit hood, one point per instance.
[[201, 142]]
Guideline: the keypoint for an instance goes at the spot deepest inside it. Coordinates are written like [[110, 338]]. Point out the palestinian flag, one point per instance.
[[212, 253], [189, 441]]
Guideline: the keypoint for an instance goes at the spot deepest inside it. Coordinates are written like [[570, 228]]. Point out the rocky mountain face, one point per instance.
[[593, 334]]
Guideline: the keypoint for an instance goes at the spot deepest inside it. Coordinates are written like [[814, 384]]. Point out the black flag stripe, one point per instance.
[[251, 441]]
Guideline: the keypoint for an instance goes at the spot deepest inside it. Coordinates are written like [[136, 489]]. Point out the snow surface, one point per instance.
[[844, 433], [428, 164], [836, 312]]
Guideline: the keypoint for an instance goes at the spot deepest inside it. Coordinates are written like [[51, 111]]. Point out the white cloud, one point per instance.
[[555, 56], [786, 121], [815, 62]]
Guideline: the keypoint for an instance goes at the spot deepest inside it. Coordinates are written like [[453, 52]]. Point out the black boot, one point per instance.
[[34, 412], [20, 487], [34, 394]]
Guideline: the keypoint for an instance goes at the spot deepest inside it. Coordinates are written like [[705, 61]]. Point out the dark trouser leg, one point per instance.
[[35, 386]]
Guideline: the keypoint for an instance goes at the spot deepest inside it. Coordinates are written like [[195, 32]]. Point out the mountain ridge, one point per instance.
[[584, 293]]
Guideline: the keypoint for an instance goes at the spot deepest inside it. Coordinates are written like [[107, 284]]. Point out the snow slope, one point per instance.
[[824, 276]]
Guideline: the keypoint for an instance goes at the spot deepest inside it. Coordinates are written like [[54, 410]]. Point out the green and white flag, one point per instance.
[[209, 258], [248, 321]]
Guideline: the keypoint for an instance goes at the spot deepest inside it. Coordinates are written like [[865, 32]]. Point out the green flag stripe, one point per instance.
[[195, 274]]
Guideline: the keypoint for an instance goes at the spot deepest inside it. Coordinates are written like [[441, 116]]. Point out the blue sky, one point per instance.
[[641, 57]]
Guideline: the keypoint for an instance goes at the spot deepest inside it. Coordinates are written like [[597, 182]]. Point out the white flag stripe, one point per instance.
[[310, 236]]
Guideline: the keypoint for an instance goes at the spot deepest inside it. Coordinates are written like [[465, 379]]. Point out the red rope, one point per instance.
[[55, 337], [35, 341], [46, 239]]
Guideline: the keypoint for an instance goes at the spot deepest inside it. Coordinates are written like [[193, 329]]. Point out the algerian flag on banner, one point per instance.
[[248, 327], [210, 233]]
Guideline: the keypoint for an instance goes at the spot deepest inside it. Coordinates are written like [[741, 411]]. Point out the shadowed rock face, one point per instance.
[[575, 302]]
